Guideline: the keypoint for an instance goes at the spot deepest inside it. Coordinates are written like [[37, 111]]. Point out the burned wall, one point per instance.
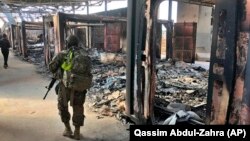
[[97, 37], [112, 32], [112, 37], [204, 28], [187, 12], [240, 106], [82, 36], [229, 96], [202, 16]]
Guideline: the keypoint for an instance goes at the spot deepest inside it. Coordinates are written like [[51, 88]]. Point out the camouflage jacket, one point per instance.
[[79, 76]]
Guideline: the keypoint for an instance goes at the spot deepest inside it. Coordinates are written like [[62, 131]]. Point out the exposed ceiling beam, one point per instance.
[[199, 2], [22, 3], [26, 7]]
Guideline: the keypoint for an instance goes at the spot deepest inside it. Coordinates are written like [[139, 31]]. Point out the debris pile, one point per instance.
[[35, 53], [177, 82], [107, 95], [36, 57], [181, 83]]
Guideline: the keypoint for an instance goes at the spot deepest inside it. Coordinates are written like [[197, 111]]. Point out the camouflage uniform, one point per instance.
[[78, 109], [66, 93]]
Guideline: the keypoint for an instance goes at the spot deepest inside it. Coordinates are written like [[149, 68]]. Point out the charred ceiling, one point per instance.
[[199, 2], [54, 5], [33, 9], [13, 11], [47, 5]]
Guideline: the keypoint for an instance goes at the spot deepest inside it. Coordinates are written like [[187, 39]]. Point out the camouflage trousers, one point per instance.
[[64, 96]]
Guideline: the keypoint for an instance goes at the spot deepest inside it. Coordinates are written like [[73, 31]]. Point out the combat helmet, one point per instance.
[[72, 40]]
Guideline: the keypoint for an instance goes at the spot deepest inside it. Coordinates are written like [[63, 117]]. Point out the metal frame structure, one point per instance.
[[60, 24], [18, 35], [48, 47], [140, 80], [228, 94]]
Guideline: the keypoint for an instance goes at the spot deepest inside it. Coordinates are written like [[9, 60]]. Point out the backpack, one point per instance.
[[79, 77]]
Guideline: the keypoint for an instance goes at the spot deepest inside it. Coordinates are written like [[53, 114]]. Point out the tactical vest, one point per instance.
[[76, 70]]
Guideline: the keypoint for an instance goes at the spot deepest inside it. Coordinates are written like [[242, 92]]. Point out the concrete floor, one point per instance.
[[25, 116]]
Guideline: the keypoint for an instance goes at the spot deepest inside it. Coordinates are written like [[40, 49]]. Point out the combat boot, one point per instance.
[[77, 133], [67, 132]]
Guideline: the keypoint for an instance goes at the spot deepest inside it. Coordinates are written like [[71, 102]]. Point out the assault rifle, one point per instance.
[[52, 82]]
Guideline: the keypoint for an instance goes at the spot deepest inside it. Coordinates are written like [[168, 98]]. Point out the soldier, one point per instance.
[[5, 45], [72, 67]]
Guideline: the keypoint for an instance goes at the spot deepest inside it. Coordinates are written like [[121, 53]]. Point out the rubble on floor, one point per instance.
[[36, 56], [35, 53], [177, 82], [107, 95], [181, 83]]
